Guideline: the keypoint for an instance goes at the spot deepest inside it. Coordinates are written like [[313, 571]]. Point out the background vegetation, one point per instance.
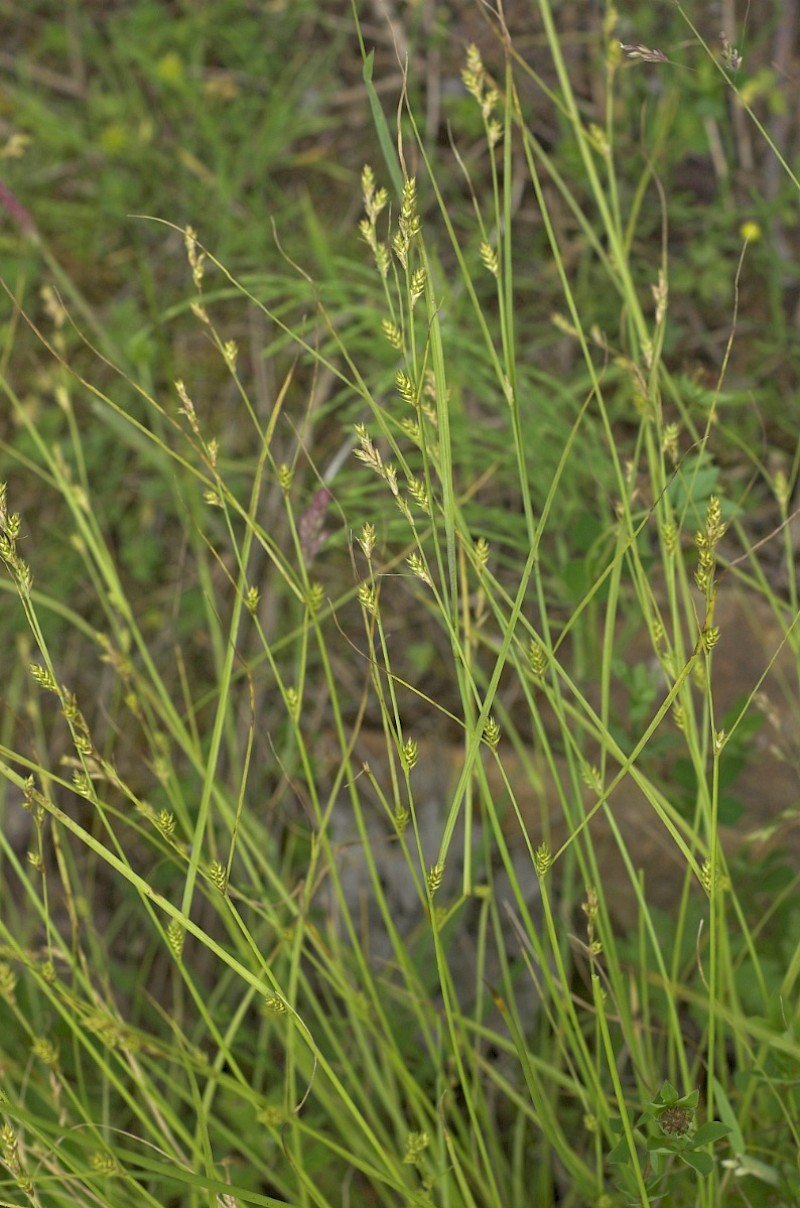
[[399, 659]]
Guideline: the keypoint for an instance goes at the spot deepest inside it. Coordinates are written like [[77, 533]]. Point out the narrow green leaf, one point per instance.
[[701, 1162], [382, 128], [712, 1131], [728, 1117]]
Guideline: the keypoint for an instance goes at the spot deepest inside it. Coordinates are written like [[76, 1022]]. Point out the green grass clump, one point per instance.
[[365, 771]]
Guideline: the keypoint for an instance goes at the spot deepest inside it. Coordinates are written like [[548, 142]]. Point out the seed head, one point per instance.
[[435, 877], [175, 937]]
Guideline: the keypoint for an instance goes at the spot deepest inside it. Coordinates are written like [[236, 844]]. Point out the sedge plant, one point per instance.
[[244, 963]]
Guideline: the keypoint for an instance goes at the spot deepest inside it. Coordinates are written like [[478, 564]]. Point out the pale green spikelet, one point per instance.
[[230, 352], [409, 218], [418, 492], [82, 784], [44, 678], [707, 541], [781, 491], [72, 713], [374, 199], [590, 907], [491, 733], [83, 745], [382, 259], [200, 313], [216, 874], [715, 527], [10, 1147], [393, 334], [473, 74], [285, 478], [372, 458], [418, 568], [706, 877], [405, 388], [367, 451], [669, 442], [410, 754], [669, 537], [175, 938], [416, 1144], [482, 550], [8, 983], [712, 884], [562, 324], [9, 525], [408, 226], [316, 597], [590, 775], [660, 297], [104, 1026], [45, 1051], [489, 258], [598, 141], [367, 184], [709, 637], [104, 1164], [478, 85], [400, 248], [367, 540], [275, 1005], [164, 822], [195, 256], [417, 287], [705, 561], [434, 878], [537, 659], [292, 701], [368, 598], [251, 600], [542, 860], [273, 1116]]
